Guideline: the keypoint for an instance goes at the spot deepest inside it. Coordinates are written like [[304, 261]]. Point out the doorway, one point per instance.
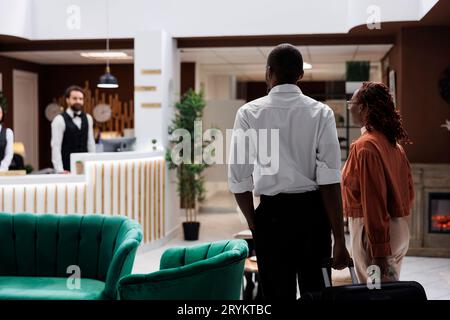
[[26, 129]]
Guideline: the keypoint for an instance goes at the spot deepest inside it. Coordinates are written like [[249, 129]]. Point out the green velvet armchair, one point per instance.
[[38, 253], [211, 271]]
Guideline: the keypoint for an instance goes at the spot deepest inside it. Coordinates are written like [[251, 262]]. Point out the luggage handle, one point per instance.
[[327, 263]]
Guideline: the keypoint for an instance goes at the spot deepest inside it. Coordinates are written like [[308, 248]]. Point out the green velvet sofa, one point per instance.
[[37, 250], [211, 271]]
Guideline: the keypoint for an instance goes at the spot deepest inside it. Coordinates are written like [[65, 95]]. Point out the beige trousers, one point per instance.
[[399, 235]]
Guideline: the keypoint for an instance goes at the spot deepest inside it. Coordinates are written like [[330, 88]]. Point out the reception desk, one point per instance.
[[126, 183]]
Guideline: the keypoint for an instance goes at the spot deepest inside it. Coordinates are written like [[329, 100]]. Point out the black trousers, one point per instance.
[[292, 238]]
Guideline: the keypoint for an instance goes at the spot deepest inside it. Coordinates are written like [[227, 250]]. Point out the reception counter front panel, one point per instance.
[[131, 184]]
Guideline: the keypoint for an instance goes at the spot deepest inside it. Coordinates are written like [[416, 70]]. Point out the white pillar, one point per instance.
[[156, 80], [157, 64]]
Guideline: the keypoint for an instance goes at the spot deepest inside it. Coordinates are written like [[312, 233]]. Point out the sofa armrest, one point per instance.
[[122, 261], [197, 281]]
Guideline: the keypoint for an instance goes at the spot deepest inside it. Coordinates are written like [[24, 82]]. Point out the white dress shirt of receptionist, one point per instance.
[[58, 128], [309, 151], [9, 150]]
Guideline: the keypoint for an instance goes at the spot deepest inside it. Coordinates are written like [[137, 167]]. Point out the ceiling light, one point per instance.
[[107, 80], [106, 55], [307, 66]]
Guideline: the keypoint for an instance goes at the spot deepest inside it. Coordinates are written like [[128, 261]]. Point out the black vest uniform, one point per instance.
[[74, 139], [3, 143]]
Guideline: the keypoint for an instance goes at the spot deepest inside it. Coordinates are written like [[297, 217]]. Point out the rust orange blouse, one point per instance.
[[376, 185]]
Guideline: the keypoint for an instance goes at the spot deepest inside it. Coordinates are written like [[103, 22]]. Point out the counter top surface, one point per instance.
[[74, 178], [42, 178]]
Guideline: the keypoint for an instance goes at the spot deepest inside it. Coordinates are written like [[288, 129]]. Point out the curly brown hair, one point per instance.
[[381, 113]]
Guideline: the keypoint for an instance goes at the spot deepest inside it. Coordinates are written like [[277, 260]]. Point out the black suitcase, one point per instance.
[[388, 291]]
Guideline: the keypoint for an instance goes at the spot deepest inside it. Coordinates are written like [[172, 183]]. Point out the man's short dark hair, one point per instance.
[[286, 62], [73, 88]]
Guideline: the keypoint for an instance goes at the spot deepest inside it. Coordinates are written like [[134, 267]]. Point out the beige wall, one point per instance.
[[419, 57], [219, 114]]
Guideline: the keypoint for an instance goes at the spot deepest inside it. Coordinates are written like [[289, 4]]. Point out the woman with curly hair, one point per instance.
[[377, 187]]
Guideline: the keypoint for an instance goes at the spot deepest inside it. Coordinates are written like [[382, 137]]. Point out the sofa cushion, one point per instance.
[[48, 288]]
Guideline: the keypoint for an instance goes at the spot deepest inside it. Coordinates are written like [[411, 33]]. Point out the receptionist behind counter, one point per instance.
[[72, 130]]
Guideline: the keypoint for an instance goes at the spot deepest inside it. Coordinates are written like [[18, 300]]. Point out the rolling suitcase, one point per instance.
[[388, 291]]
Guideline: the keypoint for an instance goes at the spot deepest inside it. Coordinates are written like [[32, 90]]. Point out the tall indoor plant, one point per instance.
[[189, 175]]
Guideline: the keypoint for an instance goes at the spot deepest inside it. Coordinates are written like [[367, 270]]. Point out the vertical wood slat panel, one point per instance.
[[133, 196], [46, 199], [94, 186], [119, 194], [126, 212], [14, 200], [111, 182], [159, 198], [155, 213], [85, 199], [139, 213], [151, 202], [164, 175], [35, 199], [147, 194], [145, 202], [66, 199], [75, 202], [102, 189], [55, 194]]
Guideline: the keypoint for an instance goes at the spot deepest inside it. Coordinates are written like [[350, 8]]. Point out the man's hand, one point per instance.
[[251, 222], [341, 257], [245, 203]]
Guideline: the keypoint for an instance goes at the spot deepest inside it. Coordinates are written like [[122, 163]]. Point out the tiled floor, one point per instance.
[[432, 273]]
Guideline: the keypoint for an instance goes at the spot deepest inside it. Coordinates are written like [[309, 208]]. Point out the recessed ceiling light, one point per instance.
[[306, 66], [106, 55]]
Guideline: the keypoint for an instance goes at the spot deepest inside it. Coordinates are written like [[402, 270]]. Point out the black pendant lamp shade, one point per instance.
[[108, 80]]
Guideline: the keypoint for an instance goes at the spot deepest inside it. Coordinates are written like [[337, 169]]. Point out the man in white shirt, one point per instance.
[[72, 131], [299, 201]]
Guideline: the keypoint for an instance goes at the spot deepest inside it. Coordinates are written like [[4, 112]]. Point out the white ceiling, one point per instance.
[[248, 63]]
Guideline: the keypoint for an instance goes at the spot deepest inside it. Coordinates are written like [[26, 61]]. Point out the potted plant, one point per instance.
[[79, 167], [189, 175]]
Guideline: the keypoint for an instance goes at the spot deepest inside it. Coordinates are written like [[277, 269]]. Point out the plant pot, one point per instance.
[[79, 167], [191, 230]]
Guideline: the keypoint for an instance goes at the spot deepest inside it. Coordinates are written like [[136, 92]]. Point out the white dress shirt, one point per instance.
[[58, 128], [309, 151], [9, 150]]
